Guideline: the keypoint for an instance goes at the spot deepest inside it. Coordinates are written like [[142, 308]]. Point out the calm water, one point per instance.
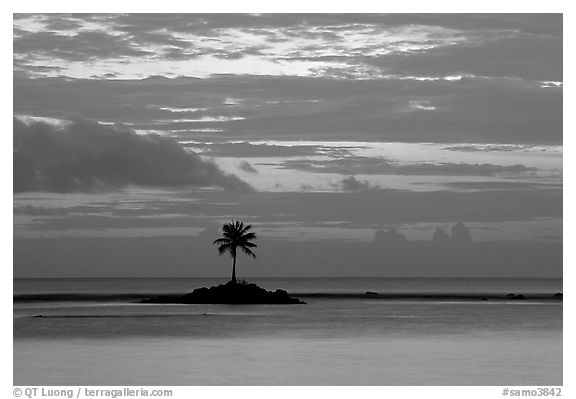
[[112, 341]]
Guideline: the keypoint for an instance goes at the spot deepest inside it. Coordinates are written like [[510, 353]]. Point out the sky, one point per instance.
[[355, 144]]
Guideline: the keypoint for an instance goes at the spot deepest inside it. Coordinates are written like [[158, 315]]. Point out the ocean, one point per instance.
[[95, 333]]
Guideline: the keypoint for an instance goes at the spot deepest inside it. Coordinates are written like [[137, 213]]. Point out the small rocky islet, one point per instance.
[[229, 293]]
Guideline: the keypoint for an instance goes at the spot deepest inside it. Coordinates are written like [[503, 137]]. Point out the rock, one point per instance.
[[371, 293], [229, 293], [558, 295]]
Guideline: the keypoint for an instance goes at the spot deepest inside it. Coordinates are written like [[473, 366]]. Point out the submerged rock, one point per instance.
[[229, 293]]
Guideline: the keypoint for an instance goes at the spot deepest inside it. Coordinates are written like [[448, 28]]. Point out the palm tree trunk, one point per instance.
[[234, 268]]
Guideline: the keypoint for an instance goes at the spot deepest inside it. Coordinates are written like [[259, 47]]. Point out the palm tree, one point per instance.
[[235, 235]]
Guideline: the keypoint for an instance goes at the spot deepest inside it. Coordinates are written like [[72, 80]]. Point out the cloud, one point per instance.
[[389, 237], [137, 208], [83, 46], [307, 187], [348, 46], [343, 45], [380, 166], [520, 54], [461, 234], [500, 185], [471, 110], [440, 236], [386, 206], [31, 210], [247, 167], [85, 156], [350, 183], [257, 150], [487, 147], [467, 110]]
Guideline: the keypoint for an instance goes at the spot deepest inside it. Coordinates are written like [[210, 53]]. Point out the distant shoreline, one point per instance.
[[78, 297], [293, 278]]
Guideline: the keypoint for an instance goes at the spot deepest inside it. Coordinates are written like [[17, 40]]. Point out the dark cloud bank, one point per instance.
[[467, 110], [85, 156]]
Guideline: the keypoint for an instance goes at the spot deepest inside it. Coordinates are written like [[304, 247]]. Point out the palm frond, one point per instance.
[[249, 236], [224, 248], [228, 229], [247, 251]]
